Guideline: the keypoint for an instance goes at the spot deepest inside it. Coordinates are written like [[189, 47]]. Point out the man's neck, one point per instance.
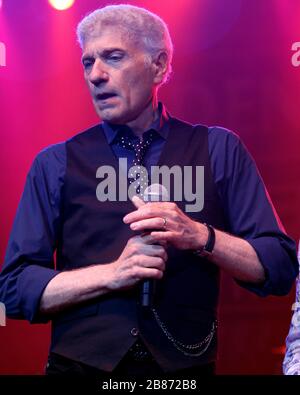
[[146, 119]]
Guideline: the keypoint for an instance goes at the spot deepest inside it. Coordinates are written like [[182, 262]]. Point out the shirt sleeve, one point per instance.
[[29, 260], [250, 213], [291, 362]]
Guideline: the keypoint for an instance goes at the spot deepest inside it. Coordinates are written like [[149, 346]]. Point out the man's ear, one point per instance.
[[160, 67]]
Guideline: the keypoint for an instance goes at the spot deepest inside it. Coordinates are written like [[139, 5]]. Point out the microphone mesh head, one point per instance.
[[156, 193]]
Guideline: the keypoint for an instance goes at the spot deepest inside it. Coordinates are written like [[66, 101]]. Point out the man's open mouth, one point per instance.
[[105, 96]]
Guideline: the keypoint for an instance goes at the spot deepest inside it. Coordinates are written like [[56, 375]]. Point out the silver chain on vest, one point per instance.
[[190, 350]]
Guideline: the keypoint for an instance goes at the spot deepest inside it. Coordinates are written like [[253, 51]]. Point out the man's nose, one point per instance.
[[98, 74]]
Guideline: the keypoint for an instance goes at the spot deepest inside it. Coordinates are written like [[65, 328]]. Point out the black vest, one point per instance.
[[99, 333]]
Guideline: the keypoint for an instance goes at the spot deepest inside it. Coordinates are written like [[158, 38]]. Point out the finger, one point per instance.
[[164, 236], [150, 240], [145, 211], [145, 272], [163, 243], [156, 250], [146, 238], [153, 262], [138, 202], [150, 223], [164, 255]]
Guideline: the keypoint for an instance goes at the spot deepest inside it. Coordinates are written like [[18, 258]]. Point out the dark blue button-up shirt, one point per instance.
[[29, 264]]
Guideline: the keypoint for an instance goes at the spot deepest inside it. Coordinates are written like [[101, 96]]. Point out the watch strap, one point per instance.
[[207, 249]]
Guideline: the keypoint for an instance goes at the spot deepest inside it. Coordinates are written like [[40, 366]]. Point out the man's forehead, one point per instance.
[[107, 39]]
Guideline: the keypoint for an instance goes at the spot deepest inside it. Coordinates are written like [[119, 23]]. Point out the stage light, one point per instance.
[[0, 4], [60, 4]]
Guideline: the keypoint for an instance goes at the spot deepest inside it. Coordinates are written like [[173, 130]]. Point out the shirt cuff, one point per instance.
[[280, 267], [31, 284]]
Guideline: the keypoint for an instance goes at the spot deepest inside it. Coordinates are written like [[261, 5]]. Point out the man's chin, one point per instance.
[[106, 114], [110, 116]]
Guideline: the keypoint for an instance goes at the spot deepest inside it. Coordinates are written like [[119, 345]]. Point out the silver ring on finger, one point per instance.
[[165, 222]]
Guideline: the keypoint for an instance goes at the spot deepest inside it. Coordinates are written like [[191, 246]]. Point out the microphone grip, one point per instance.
[[155, 193], [147, 293]]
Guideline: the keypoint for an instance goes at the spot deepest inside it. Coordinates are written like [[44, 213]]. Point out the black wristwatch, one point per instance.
[[209, 246]]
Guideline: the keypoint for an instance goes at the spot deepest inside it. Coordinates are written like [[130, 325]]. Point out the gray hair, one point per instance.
[[140, 25]]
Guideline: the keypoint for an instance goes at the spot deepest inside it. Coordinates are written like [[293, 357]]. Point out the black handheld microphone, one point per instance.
[[153, 193]]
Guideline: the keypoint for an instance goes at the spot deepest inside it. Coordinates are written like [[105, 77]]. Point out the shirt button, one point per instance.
[[134, 331]]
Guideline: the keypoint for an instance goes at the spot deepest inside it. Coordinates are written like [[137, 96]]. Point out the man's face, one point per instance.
[[120, 81]]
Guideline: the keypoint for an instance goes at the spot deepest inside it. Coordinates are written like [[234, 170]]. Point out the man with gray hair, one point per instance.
[[106, 248]]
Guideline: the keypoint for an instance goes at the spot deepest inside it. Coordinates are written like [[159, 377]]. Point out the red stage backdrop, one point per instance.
[[236, 64]]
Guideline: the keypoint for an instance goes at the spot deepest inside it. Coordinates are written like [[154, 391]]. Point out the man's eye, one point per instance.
[[87, 64], [115, 58]]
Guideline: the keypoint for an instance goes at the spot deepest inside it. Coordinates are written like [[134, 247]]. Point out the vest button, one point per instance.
[[134, 332]]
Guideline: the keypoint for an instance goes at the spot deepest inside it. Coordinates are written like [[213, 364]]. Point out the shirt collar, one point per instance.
[[160, 125]]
